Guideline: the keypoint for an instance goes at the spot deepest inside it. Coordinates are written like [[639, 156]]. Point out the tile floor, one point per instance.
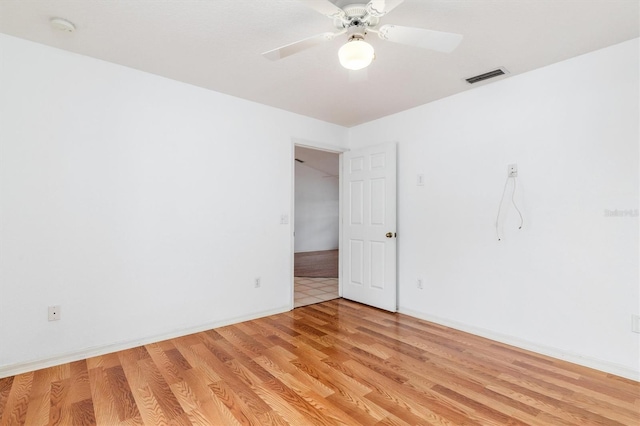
[[308, 291]]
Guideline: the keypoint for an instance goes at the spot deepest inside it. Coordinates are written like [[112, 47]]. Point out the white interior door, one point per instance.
[[369, 226]]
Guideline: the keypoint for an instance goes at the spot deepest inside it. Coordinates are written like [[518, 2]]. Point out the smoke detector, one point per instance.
[[62, 25]]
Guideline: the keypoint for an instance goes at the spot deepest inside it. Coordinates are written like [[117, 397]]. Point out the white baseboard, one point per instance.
[[14, 369], [24, 367], [597, 364]]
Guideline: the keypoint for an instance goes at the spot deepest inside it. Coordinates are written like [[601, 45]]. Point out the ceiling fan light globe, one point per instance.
[[356, 54]]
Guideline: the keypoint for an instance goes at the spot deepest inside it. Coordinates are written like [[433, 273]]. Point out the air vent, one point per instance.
[[299, 160], [487, 75]]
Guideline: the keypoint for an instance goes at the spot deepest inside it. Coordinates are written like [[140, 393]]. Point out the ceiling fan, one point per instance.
[[358, 20]]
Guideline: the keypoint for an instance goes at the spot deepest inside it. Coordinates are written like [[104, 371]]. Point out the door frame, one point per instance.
[[319, 146]]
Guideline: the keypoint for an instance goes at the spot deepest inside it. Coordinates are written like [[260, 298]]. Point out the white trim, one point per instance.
[[292, 226], [598, 364], [340, 224], [318, 146], [24, 367], [619, 370]]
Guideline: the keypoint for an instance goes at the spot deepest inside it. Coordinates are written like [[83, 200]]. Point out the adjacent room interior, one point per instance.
[[316, 226], [149, 196]]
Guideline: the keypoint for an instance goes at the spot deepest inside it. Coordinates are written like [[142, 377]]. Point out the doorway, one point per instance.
[[316, 226]]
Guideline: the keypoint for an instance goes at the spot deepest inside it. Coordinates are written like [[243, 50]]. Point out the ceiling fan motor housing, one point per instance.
[[356, 16]]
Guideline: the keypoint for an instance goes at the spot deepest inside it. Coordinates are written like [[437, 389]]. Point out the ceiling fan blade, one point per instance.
[[300, 45], [325, 7], [420, 37], [380, 8]]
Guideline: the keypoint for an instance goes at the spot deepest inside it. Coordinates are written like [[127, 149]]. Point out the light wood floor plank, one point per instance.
[[40, 399], [18, 400], [333, 363]]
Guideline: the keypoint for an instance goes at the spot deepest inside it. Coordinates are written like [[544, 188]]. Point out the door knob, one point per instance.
[[389, 235]]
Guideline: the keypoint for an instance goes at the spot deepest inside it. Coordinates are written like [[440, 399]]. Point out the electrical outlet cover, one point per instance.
[[54, 313]]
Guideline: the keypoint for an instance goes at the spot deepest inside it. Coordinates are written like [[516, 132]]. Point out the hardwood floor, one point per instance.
[[336, 362], [316, 264]]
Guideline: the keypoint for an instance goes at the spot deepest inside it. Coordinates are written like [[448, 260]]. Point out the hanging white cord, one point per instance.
[[513, 201], [513, 195], [504, 191]]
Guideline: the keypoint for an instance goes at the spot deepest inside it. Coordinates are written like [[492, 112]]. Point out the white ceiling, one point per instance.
[[217, 44]]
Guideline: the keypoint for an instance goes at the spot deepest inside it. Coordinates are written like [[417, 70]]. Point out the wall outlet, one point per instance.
[[54, 313], [256, 282], [420, 180], [512, 170], [635, 323], [284, 219], [419, 283]]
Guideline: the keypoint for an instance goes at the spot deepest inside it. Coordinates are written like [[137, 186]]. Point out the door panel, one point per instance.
[[369, 179], [356, 266], [356, 195]]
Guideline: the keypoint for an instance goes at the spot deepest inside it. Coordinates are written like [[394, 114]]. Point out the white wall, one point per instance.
[[146, 207], [316, 210], [567, 283], [143, 206]]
